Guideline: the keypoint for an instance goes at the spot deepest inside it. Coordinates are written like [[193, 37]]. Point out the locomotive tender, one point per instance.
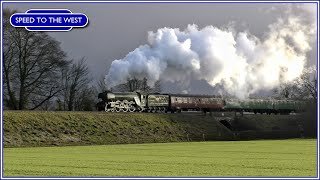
[[153, 102]]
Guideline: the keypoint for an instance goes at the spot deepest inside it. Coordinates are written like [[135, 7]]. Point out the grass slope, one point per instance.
[[295, 157], [32, 128]]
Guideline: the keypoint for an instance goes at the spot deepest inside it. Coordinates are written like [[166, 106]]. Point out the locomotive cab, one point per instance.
[[142, 98]]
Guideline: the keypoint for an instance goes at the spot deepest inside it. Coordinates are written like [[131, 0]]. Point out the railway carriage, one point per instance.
[[249, 105], [195, 102], [258, 106], [283, 106]]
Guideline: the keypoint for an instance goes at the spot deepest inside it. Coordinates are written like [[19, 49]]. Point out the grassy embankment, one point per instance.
[[32, 128], [296, 157]]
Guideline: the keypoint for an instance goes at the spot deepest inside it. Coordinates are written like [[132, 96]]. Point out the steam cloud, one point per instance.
[[238, 61]]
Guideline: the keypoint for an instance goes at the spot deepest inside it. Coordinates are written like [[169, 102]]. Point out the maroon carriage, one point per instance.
[[195, 102]]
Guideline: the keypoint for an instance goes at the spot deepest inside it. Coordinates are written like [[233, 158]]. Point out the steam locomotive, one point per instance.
[[154, 102]]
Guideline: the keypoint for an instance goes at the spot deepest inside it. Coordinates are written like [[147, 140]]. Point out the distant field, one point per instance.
[[222, 158]]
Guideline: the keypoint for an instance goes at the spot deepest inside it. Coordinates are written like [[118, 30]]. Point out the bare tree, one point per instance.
[[31, 66], [144, 85], [77, 78], [131, 85], [135, 84], [101, 85], [86, 99], [157, 87], [307, 84], [303, 88]]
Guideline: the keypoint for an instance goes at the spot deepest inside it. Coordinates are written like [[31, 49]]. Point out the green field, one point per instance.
[[295, 157]]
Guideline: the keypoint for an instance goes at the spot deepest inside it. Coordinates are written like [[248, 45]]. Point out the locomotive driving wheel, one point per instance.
[[125, 106], [117, 109], [132, 108]]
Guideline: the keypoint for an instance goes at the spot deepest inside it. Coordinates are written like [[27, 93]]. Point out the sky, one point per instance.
[[116, 29]]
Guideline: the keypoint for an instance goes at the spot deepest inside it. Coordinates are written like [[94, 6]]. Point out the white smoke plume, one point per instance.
[[238, 61]]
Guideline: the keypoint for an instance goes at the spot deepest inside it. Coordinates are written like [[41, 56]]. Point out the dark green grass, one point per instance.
[[225, 158]]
